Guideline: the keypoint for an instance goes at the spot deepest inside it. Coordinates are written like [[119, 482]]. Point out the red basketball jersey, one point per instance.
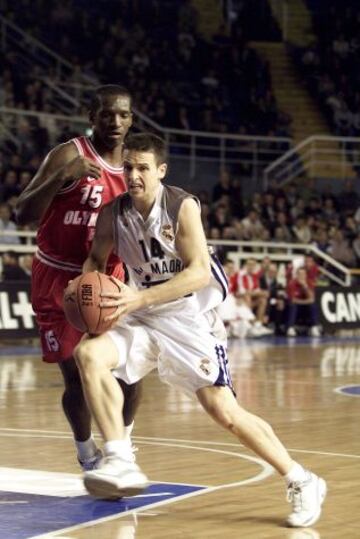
[[68, 226]]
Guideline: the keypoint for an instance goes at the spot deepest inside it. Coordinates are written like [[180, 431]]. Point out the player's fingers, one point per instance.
[[94, 174], [107, 304], [111, 295], [94, 169], [118, 283], [113, 317]]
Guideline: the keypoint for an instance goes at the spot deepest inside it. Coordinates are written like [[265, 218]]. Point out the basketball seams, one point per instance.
[[100, 308], [84, 312], [78, 302]]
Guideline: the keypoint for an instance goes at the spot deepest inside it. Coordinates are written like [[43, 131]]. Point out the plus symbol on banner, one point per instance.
[[23, 310]]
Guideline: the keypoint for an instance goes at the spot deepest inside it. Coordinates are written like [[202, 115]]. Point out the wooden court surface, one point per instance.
[[292, 385]]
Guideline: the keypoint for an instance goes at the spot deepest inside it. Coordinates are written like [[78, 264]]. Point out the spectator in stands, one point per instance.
[[350, 228], [7, 225], [298, 209], [348, 199], [223, 187], [301, 230], [356, 249], [237, 226], [329, 212], [238, 318], [257, 202], [236, 198], [281, 204], [26, 262], [10, 185], [252, 226], [276, 303], [301, 297], [220, 216], [249, 291], [312, 269], [264, 266], [313, 208], [281, 222], [12, 271], [321, 240], [268, 212], [341, 250]]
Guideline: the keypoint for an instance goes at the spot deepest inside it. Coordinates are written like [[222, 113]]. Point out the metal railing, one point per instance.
[[193, 150], [317, 156], [286, 252], [239, 251], [32, 49]]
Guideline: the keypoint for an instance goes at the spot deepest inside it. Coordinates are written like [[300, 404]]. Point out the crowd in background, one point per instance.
[[219, 84], [331, 66], [297, 213], [261, 301], [178, 78]]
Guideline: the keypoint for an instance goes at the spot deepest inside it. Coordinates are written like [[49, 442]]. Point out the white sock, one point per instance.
[[87, 449], [119, 448], [297, 474], [128, 430]]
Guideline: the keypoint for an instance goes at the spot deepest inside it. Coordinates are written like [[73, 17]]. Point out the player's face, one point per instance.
[[142, 174], [112, 119]]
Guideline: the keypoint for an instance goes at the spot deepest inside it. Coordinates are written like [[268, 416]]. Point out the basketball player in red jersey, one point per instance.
[[73, 183]]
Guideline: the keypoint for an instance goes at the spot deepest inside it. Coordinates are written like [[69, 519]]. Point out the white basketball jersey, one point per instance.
[[149, 252]]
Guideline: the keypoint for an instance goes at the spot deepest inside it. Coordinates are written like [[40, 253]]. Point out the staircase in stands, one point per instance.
[[290, 91]]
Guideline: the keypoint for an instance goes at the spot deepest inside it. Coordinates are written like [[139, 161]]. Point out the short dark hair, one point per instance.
[[106, 91], [147, 142]]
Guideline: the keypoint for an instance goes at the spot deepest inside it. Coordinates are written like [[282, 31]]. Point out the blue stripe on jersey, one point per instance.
[[219, 274], [224, 378]]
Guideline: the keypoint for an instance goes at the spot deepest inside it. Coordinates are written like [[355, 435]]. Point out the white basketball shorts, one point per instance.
[[189, 352]]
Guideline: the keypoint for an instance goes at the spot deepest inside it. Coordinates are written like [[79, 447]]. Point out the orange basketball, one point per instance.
[[82, 302]]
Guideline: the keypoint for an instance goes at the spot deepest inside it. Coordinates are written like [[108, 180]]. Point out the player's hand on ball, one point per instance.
[[126, 300]]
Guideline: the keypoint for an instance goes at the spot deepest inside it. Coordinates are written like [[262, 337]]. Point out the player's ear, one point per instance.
[[162, 170]]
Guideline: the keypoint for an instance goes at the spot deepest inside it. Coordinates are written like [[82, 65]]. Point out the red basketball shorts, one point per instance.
[[58, 337]]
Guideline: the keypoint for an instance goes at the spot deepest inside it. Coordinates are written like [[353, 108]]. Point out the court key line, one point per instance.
[[267, 470]]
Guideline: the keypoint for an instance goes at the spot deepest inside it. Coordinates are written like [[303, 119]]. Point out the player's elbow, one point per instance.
[[23, 214]]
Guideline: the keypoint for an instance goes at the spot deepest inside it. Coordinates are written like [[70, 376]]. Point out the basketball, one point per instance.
[[82, 300]]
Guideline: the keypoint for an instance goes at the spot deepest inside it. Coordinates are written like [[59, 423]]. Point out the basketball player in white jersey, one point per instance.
[[167, 321]]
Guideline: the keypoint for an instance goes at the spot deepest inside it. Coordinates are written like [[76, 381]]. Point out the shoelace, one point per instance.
[[294, 497]]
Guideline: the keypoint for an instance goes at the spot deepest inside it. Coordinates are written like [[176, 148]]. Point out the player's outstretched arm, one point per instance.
[[63, 164], [103, 242]]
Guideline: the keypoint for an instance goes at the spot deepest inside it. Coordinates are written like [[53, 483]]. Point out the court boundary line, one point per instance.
[[39, 433]]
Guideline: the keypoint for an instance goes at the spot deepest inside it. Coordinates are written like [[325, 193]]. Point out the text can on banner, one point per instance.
[[339, 308], [17, 319]]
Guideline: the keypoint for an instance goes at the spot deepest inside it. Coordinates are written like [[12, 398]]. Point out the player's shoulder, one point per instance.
[[174, 198], [120, 204], [66, 151]]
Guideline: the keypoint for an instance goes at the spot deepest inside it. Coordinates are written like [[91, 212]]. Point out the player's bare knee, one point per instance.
[[85, 356]]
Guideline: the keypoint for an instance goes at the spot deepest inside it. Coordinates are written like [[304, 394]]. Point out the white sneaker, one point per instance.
[[115, 478], [315, 331], [91, 463], [291, 332], [258, 330], [306, 498]]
